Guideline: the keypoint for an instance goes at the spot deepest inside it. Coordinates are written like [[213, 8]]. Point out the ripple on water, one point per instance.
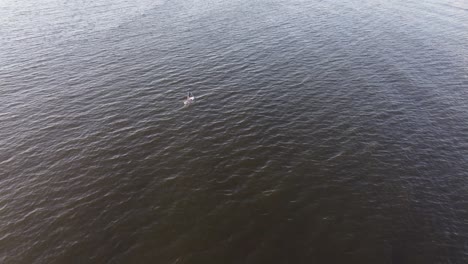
[[322, 131]]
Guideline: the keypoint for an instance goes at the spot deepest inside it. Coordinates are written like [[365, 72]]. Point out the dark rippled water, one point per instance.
[[323, 131]]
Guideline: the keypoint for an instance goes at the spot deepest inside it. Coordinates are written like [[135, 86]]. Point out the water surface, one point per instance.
[[323, 131]]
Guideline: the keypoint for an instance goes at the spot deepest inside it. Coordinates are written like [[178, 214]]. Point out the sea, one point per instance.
[[322, 131]]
